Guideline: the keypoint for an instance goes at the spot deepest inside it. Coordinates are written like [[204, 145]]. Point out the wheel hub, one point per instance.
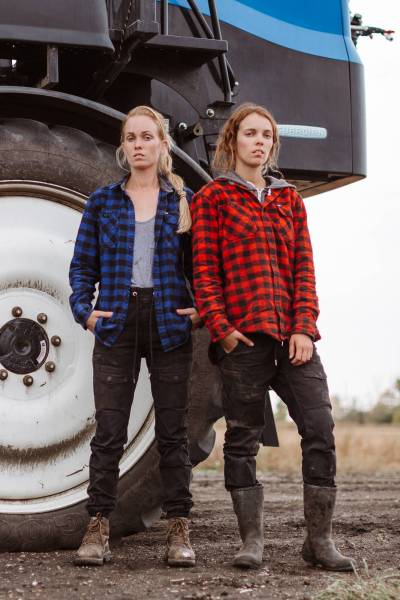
[[24, 346], [46, 397]]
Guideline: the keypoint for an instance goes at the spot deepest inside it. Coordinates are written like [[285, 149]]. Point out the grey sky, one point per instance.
[[356, 238]]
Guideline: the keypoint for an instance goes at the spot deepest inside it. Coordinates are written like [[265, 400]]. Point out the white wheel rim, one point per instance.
[[47, 426]]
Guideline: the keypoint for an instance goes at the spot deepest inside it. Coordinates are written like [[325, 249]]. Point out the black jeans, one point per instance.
[[115, 372], [247, 372]]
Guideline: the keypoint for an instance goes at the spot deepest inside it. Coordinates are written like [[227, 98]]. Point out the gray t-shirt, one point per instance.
[[143, 254]]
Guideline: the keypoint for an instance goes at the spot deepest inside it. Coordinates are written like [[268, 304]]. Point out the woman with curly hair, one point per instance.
[[255, 289]]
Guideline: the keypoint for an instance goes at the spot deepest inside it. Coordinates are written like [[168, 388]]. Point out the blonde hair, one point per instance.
[[225, 153], [164, 168]]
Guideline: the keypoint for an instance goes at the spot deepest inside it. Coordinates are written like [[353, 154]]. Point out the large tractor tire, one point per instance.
[[46, 399]]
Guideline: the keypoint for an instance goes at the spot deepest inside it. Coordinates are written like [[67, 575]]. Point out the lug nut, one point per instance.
[[3, 374], [28, 380], [42, 318], [16, 311], [50, 366], [56, 340]]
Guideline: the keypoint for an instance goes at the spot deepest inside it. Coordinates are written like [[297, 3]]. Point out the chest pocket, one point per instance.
[[169, 227], [283, 222], [171, 220], [108, 227], [239, 222]]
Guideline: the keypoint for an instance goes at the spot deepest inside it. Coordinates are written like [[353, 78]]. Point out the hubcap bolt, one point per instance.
[[56, 340], [16, 311], [50, 366], [42, 318], [3, 374], [28, 380]]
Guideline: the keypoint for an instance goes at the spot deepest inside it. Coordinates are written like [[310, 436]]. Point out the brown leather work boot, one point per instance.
[[179, 551], [94, 549]]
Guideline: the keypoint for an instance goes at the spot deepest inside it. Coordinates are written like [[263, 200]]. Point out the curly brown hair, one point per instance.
[[225, 153]]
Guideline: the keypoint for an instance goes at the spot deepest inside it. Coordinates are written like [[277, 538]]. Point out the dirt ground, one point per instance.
[[366, 526]]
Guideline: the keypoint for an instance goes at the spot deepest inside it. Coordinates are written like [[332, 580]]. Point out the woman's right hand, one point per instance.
[[230, 342], [94, 315]]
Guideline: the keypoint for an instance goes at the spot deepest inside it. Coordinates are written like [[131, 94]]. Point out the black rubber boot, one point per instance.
[[248, 504], [318, 548]]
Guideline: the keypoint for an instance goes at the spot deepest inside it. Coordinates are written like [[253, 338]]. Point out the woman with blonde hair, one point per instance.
[[255, 289], [133, 241]]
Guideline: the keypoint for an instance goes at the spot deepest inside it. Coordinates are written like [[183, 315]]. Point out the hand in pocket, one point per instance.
[[230, 342], [94, 315], [193, 314]]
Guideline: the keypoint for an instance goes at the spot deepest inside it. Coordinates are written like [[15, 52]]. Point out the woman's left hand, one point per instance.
[[301, 349], [193, 314]]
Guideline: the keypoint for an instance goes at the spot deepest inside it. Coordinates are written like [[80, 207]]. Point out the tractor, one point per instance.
[[69, 72]]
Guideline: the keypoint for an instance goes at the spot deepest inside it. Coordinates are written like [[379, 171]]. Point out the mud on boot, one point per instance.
[[248, 504], [179, 551], [319, 548], [94, 549]]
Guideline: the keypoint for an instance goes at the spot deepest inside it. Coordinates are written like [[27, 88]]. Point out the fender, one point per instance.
[[96, 119]]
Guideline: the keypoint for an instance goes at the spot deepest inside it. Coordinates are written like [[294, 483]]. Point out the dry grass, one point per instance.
[[382, 587], [363, 449]]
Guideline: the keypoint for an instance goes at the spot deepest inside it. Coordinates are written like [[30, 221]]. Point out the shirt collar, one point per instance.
[[270, 181], [165, 184]]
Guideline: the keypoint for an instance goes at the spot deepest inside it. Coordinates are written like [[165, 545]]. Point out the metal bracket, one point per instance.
[[132, 17], [185, 132], [52, 77], [145, 23]]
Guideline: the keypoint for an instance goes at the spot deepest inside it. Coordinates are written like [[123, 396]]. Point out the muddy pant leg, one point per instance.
[[240, 451], [114, 385], [170, 372], [304, 390], [245, 373]]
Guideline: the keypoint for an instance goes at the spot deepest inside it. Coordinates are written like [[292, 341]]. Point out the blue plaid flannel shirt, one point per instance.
[[104, 255]]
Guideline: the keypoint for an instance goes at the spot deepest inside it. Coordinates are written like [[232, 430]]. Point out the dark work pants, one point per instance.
[[247, 372], [115, 372]]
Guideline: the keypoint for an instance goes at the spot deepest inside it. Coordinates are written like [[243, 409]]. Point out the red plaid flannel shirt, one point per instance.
[[253, 262]]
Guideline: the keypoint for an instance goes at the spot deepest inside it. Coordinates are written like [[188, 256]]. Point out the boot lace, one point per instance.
[[178, 532], [95, 531]]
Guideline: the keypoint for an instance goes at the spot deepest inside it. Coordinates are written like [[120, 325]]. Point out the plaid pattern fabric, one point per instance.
[[253, 263], [104, 255]]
